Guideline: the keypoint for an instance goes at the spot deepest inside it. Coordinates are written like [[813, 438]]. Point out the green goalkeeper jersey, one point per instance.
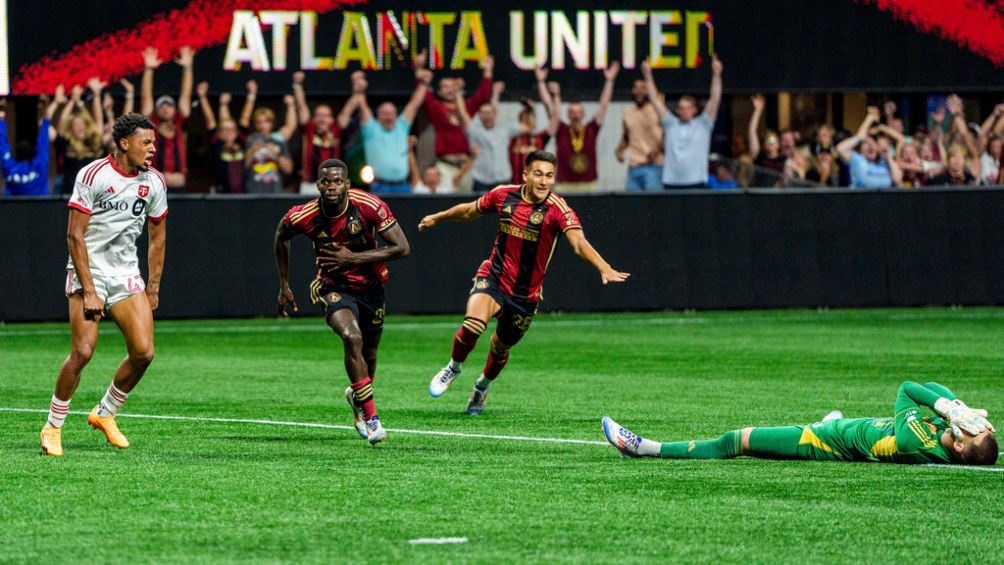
[[906, 438]]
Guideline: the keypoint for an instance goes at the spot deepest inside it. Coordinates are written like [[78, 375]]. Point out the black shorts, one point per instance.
[[515, 316], [368, 305]]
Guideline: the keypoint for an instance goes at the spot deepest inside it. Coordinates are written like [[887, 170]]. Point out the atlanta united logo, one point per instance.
[[355, 226], [143, 190], [536, 217]]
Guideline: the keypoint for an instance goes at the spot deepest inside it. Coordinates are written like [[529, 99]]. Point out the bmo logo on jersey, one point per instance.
[[138, 206]]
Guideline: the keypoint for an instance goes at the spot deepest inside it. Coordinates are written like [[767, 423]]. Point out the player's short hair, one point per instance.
[[128, 124], [333, 164], [985, 453], [545, 156]]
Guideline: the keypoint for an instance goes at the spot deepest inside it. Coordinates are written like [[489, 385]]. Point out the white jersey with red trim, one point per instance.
[[118, 204]]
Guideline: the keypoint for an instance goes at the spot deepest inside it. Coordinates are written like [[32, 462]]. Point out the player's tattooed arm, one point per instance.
[[282, 237], [339, 256], [582, 248], [155, 259], [77, 226], [461, 212]]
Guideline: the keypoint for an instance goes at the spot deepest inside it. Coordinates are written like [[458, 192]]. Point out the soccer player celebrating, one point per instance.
[[962, 436], [508, 284], [343, 225], [112, 199]]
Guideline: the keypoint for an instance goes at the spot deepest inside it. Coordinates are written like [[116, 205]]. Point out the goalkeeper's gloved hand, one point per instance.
[[962, 417]]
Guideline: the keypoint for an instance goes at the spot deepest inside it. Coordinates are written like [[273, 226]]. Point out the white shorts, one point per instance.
[[110, 289]]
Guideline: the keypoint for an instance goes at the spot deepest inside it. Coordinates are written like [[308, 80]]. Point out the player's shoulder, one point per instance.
[[157, 179], [505, 189], [558, 202], [303, 211], [365, 200], [90, 174]]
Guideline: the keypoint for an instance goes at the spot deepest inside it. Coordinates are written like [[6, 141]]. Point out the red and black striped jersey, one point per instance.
[[356, 227], [526, 239]]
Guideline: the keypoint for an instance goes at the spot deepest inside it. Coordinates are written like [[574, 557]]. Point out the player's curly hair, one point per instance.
[[128, 124], [545, 156], [983, 454]]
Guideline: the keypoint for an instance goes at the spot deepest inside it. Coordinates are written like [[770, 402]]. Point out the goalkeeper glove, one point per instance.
[[962, 417]]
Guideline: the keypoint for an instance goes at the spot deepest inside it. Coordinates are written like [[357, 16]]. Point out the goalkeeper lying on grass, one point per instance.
[[962, 435]]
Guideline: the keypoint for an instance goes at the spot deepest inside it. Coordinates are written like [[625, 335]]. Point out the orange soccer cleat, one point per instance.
[[52, 441], [109, 427]]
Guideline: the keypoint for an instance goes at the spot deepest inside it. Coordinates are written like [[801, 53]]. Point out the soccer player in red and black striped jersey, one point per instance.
[[508, 284], [345, 226]]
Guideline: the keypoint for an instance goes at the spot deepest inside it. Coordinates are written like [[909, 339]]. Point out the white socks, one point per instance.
[[454, 366], [649, 448], [57, 412], [112, 401], [482, 383]]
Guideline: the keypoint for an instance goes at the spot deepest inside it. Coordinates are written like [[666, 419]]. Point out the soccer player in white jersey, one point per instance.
[[112, 199]]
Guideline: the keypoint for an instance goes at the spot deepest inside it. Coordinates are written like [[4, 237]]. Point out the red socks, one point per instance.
[[466, 338], [363, 392]]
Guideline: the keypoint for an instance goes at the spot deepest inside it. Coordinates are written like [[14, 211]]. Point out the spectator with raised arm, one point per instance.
[[575, 140], [955, 173], [108, 105], [26, 168], [686, 134], [322, 132], [991, 144], [961, 135], [768, 158], [266, 151], [534, 140], [78, 139], [491, 167], [869, 167], [226, 141], [169, 116], [642, 140], [385, 136], [452, 148]]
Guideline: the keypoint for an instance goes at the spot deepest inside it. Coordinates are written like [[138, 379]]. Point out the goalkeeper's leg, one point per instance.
[[729, 445]]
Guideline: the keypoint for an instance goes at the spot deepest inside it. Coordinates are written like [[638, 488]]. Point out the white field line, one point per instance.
[[542, 321], [324, 426], [405, 431], [436, 541]]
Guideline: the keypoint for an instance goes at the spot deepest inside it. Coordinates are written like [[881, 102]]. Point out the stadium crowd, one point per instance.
[[472, 149]]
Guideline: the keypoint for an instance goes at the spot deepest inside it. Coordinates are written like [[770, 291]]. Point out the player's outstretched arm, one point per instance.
[[582, 248], [340, 256], [155, 259], [461, 213], [282, 237]]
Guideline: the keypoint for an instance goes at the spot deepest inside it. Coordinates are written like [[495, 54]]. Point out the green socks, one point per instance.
[[725, 447]]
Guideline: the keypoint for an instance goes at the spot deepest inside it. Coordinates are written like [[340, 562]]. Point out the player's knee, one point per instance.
[[352, 340], [81, 354], [142, 356]]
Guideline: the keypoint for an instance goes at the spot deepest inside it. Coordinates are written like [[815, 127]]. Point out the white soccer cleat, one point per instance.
[[357, 414], [375, 431], [442, 381], [620, 437], [834, 415]]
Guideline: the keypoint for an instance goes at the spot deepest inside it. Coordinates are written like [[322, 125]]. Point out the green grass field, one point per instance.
[[204, 491]]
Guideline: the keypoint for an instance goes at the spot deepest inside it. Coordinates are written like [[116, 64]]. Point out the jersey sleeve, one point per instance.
[[490, 201], [287, 220], [158, 203], [912, 434], [381, 217], [83, 197], [565, 217]]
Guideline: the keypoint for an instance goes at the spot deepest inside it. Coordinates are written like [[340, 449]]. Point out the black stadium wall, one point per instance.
[[699, 250]]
